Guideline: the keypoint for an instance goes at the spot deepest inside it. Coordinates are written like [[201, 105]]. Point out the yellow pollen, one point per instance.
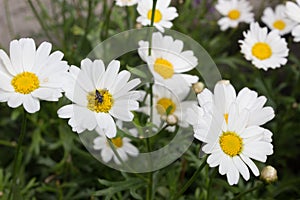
[[117, 141], [231, 143], [164, 68], [262, 50], [101, 102], [279, 24], [234, 14], [157, 15], [226, 117], [25, 82], [164, 104]]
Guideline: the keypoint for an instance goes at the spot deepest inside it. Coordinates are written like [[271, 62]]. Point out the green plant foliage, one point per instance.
[[55, 163]]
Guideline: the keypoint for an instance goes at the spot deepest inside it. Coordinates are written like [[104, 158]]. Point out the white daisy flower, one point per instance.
[[292, 11], [168, 107], [224, 96], [98, 96], [30, 75], [163, 14], [232, 144], [121, 145], [265, 50], [123, 3], [277, 20], [168, 61], [234, 12]]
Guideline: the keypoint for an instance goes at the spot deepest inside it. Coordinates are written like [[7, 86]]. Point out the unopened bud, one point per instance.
[[172, 120], [268, 174], [225, 82], [198, 87], [295, 105], [138, 26]]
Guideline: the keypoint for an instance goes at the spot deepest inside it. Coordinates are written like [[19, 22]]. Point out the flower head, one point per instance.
[[98, 95], [234, 12], [229, 126], [123, 3], [163, 14], [168, 107], [118, 144], [277, 20], [292, 11], [30, 75], [168, 62], [265, 50]]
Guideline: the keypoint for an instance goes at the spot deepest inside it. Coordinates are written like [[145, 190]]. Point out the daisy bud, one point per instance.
[[172, 120], [269, 174], [295, 105], [225, 82], [198, 87], [138, 25]]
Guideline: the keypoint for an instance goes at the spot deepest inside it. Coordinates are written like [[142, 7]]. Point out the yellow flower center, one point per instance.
[[262, 50], [100, 101], [157, 15], [279, 24], [226, 117], [117, 141], [25, 82], [165, 106], [234, 14], [164, 68], [231, 143]]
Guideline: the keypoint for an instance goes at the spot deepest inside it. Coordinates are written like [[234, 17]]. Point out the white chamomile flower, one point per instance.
[[163, 14], [265, 50], [292, 11], [277, 20], [168, 62], [29, 75], [99, 95], [221, 100], [232, 144], [122, 3], [234, 12], [168, 107], [121, 145]]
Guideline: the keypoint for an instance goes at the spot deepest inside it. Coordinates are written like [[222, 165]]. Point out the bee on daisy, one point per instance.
[[168, 62], [99, 95], [163, 14], [229, 127], [277, 19], [265, 50], [123, 3], [234, 12], [29, 75], [292, 11]]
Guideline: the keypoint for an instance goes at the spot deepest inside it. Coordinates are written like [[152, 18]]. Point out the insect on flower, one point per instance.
[[99, 96]]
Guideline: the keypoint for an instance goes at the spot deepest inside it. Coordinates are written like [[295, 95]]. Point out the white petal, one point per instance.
[[31, 104], [106, 122], [28, 53]]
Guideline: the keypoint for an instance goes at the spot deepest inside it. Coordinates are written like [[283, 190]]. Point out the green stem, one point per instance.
[[191, 180], [151, 24], [128, 18], [40, 20], [17, 161], [210, 183], [261, 184], [105, 26], [87, 24]]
